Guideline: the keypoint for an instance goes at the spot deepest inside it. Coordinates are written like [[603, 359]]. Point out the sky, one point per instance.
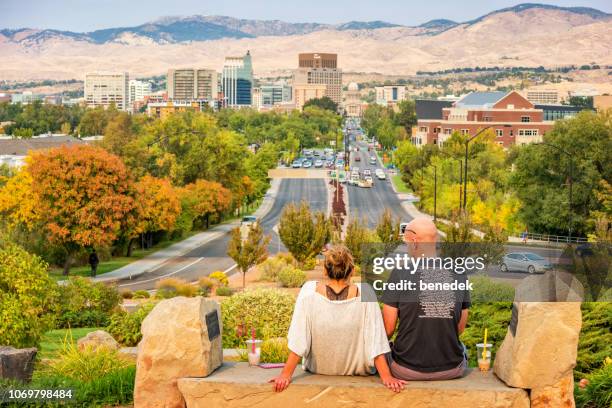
[[89, 15]]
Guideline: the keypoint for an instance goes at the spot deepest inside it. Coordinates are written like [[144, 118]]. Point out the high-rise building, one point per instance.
[[272, 94], [107, 88], [302, 93], [139, 90], [189, 84], [318, 60], [320, 69], [237, 81], [390, 95]]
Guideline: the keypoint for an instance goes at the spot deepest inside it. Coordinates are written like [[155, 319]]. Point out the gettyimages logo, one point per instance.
[[406, 262]]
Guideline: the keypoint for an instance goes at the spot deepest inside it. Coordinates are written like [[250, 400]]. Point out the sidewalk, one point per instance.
[[158, 258]]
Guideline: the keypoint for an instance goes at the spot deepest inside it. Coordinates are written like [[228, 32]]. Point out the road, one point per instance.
[[370, 203], [212, 256]]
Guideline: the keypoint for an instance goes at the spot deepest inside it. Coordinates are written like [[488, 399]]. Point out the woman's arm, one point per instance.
[[385, 374], [390, 319], [281, 382]]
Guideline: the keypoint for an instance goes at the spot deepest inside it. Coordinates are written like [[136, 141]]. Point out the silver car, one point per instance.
[[524, 262]]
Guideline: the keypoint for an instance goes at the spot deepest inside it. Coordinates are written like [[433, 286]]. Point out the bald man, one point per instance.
[[427, 345]]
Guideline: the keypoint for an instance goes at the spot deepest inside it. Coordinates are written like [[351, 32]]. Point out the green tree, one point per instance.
[[303, 233], [248, 251], [324, 103], [357, 235], [388, 229], [406, 117], [28, 297]]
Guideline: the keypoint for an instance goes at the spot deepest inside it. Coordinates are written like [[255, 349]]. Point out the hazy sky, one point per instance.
[[88, 15]]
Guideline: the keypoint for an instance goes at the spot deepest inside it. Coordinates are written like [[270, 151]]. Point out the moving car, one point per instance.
[[373, 160], [366, 183], [357, 158], [354, 180], [367, 173], [248, 221], [524, 262], [318, 163], [380, 174]]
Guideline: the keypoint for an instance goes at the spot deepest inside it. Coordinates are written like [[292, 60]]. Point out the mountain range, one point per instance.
[[527, 34]]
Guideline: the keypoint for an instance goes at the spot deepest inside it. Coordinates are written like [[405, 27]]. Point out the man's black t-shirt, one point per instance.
[[427, 338]]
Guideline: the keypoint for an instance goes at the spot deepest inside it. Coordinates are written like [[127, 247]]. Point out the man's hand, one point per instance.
[[393, 383], [281, 382]]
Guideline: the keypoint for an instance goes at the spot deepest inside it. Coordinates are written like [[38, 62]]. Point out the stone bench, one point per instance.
[[238, 385]]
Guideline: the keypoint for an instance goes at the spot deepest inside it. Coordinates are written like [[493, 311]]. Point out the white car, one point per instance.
[[318, 163], [307, 164], [380, 174], [372, 160]]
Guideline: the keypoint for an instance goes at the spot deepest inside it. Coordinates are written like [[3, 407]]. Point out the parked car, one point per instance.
[[524, 262], [318, 163], [296, 164], [308, 153], [307, 164], [329, 164]]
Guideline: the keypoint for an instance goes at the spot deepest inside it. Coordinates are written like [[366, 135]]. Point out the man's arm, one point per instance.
[[390, 319], [462, 321]]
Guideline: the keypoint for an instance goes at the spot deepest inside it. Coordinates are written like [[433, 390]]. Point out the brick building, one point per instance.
[[511, 116]]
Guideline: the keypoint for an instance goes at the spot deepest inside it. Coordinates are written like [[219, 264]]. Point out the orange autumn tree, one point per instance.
[[158, 207], [82, 193], [206, 198]]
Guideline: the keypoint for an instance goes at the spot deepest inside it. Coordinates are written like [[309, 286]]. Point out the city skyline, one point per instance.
[[87, 16]]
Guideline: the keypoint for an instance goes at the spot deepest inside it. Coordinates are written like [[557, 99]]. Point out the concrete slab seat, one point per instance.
[[238, 385]]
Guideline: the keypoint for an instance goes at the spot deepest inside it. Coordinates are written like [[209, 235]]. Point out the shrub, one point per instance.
[[141, 294], [486, 290], [595, 341], [270, 268], [291, 277], [85, 303], [220, 277], [27, 297], [125, 327], [274, 350], [267, 310], [493, 316], [206, 282], [127, 294], [287, 258], [171, 287], [598, 392], [224, 291], [310, 264]]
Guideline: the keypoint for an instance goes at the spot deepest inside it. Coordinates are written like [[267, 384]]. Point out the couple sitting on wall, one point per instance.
[[334, 332]]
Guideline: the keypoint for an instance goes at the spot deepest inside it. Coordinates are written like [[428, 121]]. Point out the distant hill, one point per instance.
[[524, 35]]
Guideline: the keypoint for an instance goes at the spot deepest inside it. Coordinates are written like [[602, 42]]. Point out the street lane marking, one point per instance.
[[164, 276]]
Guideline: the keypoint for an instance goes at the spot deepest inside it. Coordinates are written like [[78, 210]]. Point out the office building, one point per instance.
[[542, 96], [237, 81], [512, 118], [162, 110], [188, 84], [139, 90], [318, 60], [107, 88], [319, 69], [302, 93], [390, 95]]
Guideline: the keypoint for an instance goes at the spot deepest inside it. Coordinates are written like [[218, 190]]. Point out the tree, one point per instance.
[[250, 251], [357, 235], [324, 102], [28, 297], [388, 133], [206, 198], [82, 193], [303, 233], [406, 117], [388, 230]]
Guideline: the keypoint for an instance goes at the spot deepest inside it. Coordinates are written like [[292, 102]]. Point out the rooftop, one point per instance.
[[430, 108], [480, 99], [21, 147]]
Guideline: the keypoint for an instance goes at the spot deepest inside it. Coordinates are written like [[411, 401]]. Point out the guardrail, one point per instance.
[[554, 238]]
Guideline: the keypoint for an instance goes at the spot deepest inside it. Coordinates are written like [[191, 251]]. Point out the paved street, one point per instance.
[[211, 256], [372, 202]]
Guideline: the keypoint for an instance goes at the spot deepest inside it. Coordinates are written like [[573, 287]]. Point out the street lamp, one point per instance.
[[570, 182], [465, 168]]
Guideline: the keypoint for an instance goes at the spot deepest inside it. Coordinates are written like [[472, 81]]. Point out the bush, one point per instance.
[[598, 392], [493, 316], [171, 287], [270, 268], [291, 277], [220, 277], [274, 350], [310, 264], [224, 291], [127, 294], [267, 310], [125, 327], [141, 294], [27, 297], [206, 282], [287, 258], [595, 341], [486, 290], [85, 303]]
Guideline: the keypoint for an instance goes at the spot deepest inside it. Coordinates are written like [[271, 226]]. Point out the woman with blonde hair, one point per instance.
[[334, 331]]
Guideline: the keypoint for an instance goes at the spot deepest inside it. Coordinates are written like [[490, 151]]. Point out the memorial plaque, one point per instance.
[[212, 323]]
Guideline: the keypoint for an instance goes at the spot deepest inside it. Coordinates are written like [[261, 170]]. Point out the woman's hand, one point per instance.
[[393, 383], [280, 382]]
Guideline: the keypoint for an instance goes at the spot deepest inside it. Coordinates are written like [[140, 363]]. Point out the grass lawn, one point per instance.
[[399, 184], [53, 340]]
